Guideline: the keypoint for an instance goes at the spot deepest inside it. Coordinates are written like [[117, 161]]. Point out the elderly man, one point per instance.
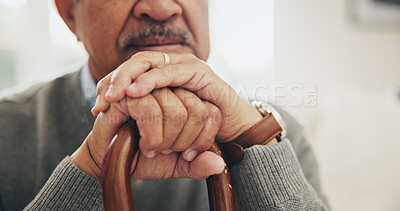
[[147, 56]]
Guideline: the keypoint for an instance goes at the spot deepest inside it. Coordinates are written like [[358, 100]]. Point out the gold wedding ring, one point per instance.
[[167, 60]]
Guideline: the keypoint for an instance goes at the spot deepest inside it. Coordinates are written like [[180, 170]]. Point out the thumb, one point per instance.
[[107, 123], [203, 166], [104, 130]]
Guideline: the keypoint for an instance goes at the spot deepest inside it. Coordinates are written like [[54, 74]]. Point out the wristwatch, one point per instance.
[[265, 109], [269, 127]]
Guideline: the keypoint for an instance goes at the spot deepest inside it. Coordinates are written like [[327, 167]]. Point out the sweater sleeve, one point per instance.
[[271, 178], [68, 188]]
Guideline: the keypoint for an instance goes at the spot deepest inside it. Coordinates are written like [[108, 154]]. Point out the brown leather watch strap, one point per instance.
[[260, 134]]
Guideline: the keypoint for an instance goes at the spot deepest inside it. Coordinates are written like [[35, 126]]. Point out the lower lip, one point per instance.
[[173, 48]]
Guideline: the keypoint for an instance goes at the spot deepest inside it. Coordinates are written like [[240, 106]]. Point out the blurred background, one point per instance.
[[334, 64]]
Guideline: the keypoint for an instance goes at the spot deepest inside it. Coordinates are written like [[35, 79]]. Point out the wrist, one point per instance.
[[248, 117], [267, 131], [81, 158]]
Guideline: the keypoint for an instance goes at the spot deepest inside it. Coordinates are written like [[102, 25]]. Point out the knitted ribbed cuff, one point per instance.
[[68, 188], [268, 176]]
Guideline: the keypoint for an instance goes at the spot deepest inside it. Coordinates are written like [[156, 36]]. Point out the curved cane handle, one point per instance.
[[116, 175]]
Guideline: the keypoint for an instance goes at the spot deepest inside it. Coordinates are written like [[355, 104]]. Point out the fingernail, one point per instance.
[[167, 152], [110, 91], [151, 154], [191, 155], [94, 112]]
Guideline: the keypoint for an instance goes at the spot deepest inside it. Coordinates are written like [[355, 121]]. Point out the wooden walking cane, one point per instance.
[[116, 175]]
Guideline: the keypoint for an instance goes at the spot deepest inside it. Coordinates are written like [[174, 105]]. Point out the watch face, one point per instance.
[[265, 108]]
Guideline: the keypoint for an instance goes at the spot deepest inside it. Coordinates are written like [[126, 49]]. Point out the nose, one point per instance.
[[159, 10]]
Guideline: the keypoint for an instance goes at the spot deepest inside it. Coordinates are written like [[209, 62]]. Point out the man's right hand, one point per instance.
[[176, 129]]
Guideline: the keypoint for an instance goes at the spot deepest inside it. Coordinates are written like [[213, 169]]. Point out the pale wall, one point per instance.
[[356, 125]]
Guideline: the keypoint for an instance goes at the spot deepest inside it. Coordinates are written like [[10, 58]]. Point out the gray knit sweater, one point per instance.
[[41, 126]]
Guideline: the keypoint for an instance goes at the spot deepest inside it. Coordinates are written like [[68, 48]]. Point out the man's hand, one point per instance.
[[146, 71], [170, 121]]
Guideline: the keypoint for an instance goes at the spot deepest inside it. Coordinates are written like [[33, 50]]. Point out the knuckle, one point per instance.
[[114, 77]]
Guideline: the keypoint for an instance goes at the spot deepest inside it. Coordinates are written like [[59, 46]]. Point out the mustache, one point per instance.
[[153, 29]]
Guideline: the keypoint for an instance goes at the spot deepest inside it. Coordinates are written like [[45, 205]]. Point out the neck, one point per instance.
[[95, 69]]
